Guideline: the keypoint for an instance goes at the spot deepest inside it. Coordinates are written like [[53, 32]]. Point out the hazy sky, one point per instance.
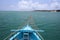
[[24, 5]]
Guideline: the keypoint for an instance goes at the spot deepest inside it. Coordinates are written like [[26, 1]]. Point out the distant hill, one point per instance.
[[48, 10]]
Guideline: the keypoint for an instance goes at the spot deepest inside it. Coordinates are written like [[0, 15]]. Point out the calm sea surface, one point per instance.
[[47, 21]]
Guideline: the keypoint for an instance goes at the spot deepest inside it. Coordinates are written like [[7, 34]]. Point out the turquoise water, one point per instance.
[[47, 21]]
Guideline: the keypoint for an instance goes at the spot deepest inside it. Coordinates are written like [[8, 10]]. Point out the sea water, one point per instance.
[[47, 21]]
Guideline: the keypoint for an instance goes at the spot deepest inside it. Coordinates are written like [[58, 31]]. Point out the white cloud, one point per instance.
[[40, 6], [55, 5], [29, 5], [25, 5]]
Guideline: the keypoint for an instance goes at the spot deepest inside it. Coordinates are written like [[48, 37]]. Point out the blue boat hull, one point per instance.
[[26, 33], [19, 36]]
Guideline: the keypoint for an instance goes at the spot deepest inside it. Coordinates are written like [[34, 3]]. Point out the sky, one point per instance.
[[29, 5]]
